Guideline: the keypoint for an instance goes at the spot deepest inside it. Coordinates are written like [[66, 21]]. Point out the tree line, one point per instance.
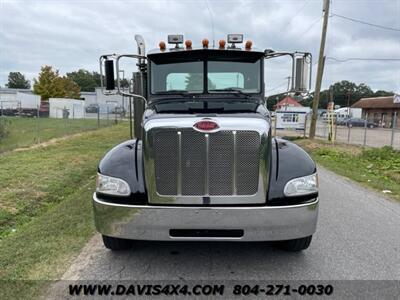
[[342, 93], [50, 84]]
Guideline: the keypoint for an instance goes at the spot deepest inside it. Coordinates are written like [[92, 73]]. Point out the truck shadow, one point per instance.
[[205, 260]]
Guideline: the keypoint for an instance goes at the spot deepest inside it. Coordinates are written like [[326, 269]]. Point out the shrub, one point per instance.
[[3, 127]]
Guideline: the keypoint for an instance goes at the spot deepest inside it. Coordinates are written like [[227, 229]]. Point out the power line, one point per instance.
[[276, 87], [312, 25], [365, 23], [298, 12], [361, 59]]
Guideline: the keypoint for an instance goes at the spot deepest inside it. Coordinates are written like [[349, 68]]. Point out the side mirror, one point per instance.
[[109, 74], [301, 69], [302, 73], [111, 79]]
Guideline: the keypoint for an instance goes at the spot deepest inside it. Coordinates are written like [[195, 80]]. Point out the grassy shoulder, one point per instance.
[[45, 206], [377, 168], [24, 132]]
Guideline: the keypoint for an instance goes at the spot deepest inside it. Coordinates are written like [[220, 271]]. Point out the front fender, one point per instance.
[[288, 161], [125, 161]]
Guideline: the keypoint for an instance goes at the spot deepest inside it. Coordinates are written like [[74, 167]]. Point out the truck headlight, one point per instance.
[[112, 186], [302, 186]]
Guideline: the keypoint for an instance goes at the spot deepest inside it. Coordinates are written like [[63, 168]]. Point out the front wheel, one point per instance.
[[296, 244], [116, 244]]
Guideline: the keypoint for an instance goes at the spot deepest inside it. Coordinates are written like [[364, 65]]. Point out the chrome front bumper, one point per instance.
[[266, 223]]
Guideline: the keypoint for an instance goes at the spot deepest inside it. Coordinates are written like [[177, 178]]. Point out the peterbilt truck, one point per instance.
[[201, 163]]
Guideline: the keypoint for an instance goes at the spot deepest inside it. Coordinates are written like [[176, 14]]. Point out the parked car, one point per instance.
[[342, 121], [118, 110], [92, 109], [357, 122], [44, 109]]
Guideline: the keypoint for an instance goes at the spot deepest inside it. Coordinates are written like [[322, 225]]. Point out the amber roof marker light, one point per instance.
[[162, 45], [248, 45], [188, 44], [205, 43], [222, 44]]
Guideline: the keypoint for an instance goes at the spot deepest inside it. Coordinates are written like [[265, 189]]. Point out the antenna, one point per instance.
[[212, 23]]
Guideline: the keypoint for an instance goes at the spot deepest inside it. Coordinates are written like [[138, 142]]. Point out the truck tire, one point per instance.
[[116, 244], [296, 244]]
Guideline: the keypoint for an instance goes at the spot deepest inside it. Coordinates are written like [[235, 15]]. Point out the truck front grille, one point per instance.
[[190, 163]]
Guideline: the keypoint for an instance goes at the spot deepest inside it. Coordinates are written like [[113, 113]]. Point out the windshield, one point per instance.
[[182, 76], [233, 76], [222, 77]]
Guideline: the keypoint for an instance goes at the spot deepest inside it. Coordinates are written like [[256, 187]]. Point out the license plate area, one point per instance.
[[206, 233]]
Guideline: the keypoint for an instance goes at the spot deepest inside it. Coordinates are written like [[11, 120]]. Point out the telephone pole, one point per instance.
[[320, 71]]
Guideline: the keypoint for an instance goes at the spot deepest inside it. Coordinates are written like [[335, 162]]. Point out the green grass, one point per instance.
[[377, 168], [24, 132], [45, 207]]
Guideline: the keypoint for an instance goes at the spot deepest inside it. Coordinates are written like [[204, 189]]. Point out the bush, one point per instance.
[[385, 158], [3, 127]]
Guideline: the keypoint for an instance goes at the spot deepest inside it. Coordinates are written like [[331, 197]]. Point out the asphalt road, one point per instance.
[[358, 237]]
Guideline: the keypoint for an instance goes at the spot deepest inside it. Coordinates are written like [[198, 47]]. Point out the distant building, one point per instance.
[[17, 98], [380, 110], [58, 107], [10, 97], [103, 101], [287, 102]]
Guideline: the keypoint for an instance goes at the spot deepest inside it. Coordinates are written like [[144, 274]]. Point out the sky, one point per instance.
[[72, 34]]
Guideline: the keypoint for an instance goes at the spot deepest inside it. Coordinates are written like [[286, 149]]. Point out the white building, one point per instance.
[[104, 101], [74, 108], [89, 98], [17, 98]]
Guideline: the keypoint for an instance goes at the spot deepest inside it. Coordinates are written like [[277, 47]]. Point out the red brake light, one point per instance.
[[206, 125]]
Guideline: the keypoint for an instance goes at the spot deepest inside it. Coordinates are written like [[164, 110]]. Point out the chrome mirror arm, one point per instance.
[[119, 91], [116, 58], [269, 54]]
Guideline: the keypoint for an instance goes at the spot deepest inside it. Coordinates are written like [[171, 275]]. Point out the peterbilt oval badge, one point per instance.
[[206, 125]]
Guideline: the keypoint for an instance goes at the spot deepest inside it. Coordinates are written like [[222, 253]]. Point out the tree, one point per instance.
[[346, 92], [16, 80], [381, 93], [50, 85], [194, 82], [70, 88], [340, 93], [86, 80], [124, 83], [97, 79]]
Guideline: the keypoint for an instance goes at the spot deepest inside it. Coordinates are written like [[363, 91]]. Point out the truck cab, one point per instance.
[[201, 163]]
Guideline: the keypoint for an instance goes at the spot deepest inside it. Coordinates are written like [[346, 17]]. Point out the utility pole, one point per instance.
[[320, 71], [288, 82], [348, 102]]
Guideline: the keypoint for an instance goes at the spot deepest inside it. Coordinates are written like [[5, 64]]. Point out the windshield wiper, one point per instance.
[[171, 92], [231, 89]]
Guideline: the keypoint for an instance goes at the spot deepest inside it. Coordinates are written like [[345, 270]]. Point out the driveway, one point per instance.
[[358, 237]]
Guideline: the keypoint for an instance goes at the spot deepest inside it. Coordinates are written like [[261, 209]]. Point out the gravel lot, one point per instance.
[[375, 137]]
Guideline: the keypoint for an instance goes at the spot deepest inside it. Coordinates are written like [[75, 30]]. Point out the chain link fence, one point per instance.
[[356, 132], [23, 128]]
